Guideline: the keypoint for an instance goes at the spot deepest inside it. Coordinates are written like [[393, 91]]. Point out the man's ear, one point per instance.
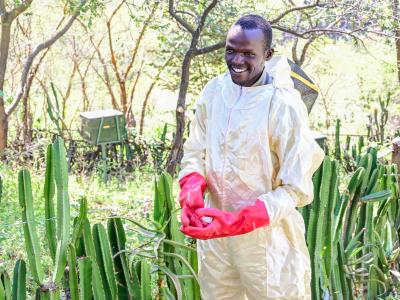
[[269, 53]]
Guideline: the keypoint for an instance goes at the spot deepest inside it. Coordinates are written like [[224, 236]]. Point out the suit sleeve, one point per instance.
[[298, 155]]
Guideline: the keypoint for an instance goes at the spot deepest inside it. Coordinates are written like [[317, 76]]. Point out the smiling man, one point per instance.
[[251, 154], [247, 49]]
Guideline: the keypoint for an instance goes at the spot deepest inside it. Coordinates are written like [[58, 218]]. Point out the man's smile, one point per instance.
[[238, 69]]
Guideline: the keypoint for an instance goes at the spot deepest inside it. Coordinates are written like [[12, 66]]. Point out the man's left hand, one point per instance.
[[228, 223]]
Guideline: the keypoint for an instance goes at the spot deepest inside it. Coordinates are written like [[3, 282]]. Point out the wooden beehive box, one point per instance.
[[103, 126]]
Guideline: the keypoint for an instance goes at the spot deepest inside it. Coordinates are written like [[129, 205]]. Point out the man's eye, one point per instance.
[[229, 51], [248, 54]]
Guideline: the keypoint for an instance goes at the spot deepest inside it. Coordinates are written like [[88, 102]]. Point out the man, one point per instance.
[[250, 146]]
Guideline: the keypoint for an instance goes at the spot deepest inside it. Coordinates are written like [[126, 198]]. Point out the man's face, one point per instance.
[[245, 54]]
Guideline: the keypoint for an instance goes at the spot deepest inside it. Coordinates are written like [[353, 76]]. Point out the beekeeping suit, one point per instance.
[[254, 143]]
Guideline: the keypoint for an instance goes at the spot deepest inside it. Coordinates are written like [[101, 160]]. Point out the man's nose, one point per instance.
[[238, 59]]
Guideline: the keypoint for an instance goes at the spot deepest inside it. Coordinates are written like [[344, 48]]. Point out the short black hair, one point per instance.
[[257, 22]]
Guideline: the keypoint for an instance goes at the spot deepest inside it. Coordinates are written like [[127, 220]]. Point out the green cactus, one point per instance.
[[30, 234], [63, 208], [135, 268], [117, 237], [49, 190], [72, 274], [85, 276], [145, 280], [338, 153], [97, 283], [330, 217], [5, 286], [105, 261], [19, 281]]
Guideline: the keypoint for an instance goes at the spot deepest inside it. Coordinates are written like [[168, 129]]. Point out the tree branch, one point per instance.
[[135, 84], [204, 15], [209, 48], [297, 8], [115, 11], [110, 44], [106, 78], [180, 20], [318, 31], [16, 11], [156, 78], [33, 55], [305, 49], [186, 13], [288, 30], [140, 38]]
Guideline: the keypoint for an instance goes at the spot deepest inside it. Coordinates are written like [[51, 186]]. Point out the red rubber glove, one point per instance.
[[193, 187], [228, 223]]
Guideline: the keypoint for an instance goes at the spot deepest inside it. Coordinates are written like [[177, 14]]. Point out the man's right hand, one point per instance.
[[193, 187]]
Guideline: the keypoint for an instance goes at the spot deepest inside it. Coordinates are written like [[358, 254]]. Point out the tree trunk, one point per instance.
[[176, 150], [6, 20], [175, 154], [27, 119], [3, 129], [4, 48]]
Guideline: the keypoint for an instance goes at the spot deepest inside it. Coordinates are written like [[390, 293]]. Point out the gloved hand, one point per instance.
[[229, 223], [193, 187]]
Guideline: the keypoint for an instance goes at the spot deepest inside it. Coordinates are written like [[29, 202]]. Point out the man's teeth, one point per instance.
[[237, 70]]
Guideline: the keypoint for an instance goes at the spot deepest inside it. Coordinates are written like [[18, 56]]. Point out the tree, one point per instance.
[[8, 16], [73, 7], [195, 32], [123, 58]]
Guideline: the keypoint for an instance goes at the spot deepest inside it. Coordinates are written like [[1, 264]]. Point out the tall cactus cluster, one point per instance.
[[93, 262], [352, 230]]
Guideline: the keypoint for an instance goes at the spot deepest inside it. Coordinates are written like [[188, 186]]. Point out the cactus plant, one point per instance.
[[85, 276], [72, 274], [30, 234], [338, 152], [105, 261], [5, 285], [19, 281], [49, 190], [117, 239]]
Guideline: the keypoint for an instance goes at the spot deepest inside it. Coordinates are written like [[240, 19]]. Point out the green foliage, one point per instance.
[[53, 109], [88, 10]]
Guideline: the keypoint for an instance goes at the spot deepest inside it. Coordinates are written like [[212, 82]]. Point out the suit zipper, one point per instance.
[[225, 136]]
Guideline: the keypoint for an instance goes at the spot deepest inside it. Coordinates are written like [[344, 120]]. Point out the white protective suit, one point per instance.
[[254, 143]]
